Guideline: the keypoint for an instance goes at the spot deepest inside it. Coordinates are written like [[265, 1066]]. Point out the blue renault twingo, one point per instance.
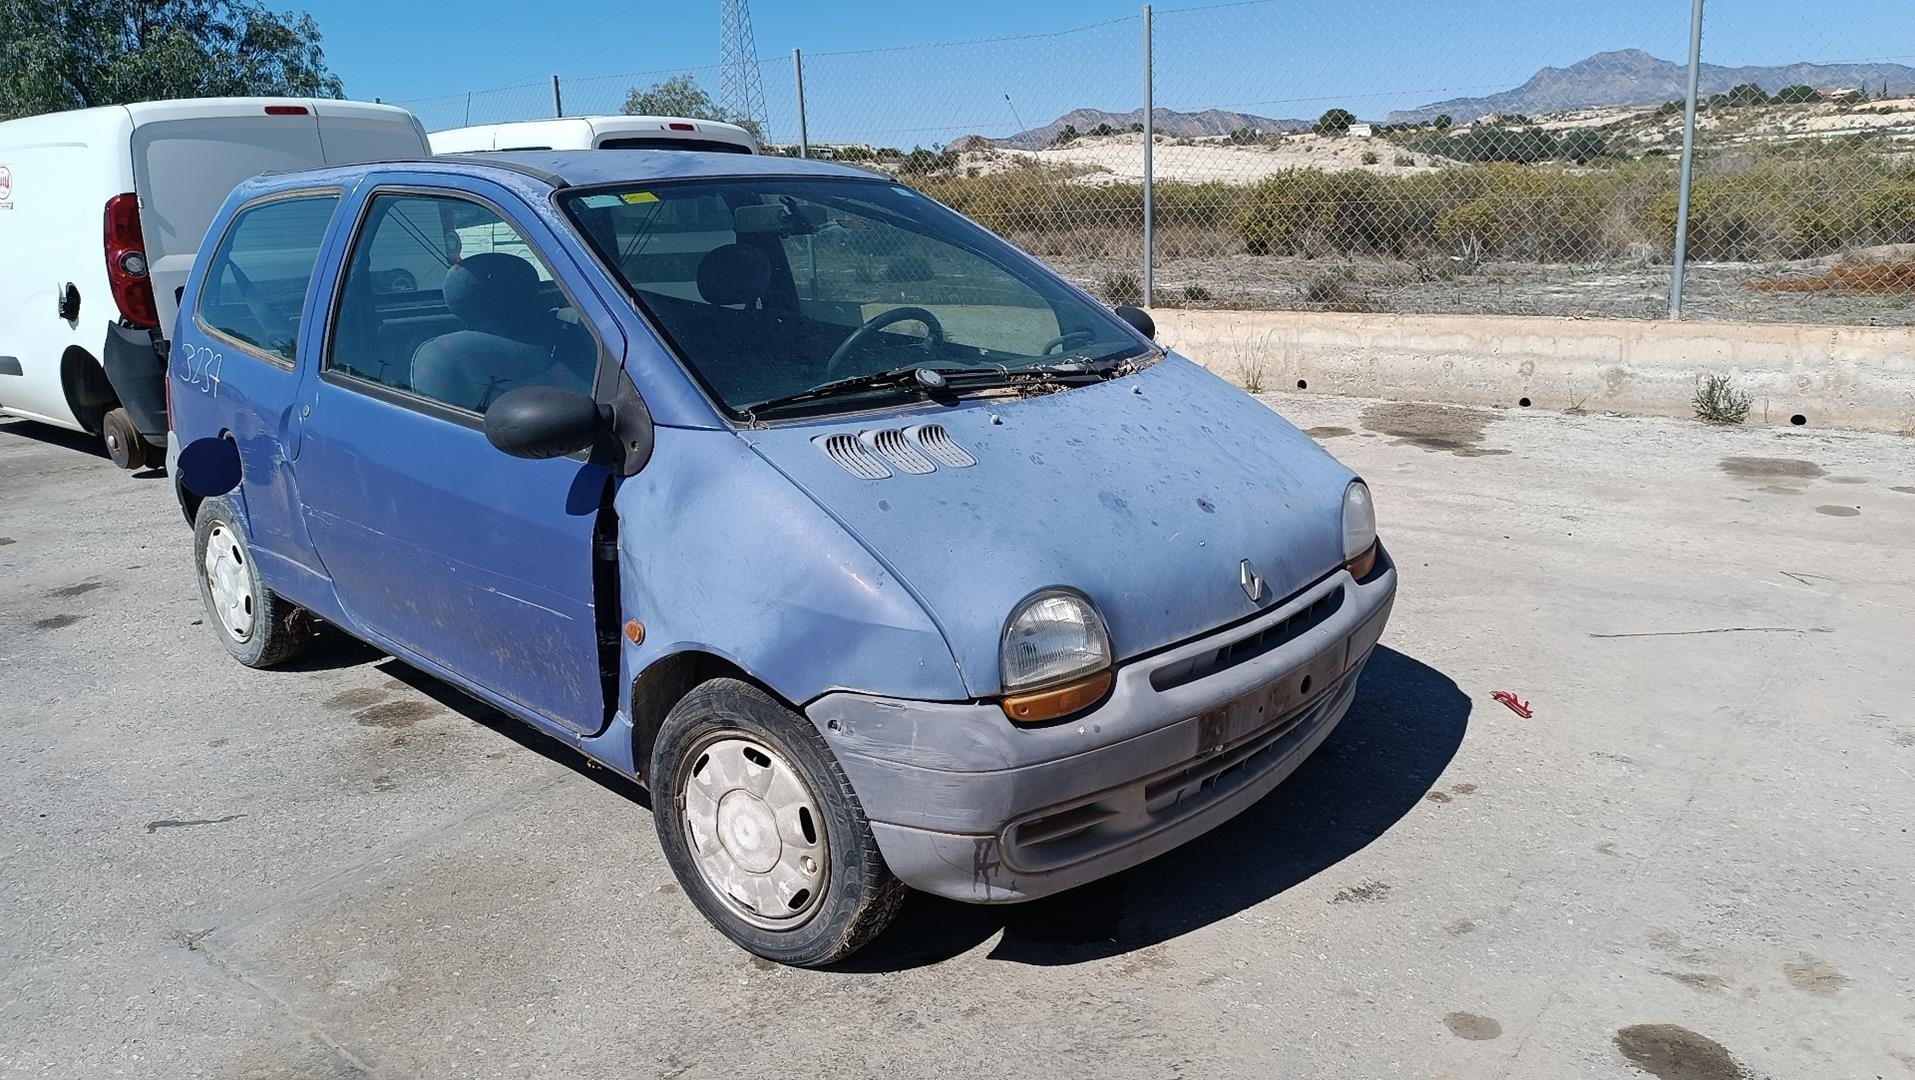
[[882, 556]]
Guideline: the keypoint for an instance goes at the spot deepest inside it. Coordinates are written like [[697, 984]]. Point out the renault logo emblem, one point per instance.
[[1251, 581]]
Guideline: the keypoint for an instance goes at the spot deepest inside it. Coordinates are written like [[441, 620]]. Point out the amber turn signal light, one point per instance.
[[1058, 701], [1361, 566], [635, 632]]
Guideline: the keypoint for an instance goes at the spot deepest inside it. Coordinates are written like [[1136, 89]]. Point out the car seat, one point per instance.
[[511, 337]]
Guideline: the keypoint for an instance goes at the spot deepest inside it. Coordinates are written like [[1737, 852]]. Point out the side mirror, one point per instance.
[[1139, 320], [543, 422]]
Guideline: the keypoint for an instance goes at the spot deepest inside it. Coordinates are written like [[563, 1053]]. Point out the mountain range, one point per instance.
[[1633, 77]]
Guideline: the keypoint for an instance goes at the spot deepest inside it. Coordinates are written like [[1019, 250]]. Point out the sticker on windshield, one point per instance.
[[902, 190], [599, 202], [638, 197]]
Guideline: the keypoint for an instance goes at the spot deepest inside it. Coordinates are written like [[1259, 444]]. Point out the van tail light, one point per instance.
[[126, 270], [286, 110], [682, 127]]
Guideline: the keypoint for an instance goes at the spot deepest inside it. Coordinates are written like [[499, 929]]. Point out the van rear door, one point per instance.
[[184, 167], [183, 170]]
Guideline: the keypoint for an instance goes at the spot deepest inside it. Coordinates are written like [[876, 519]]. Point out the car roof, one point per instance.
[[570, 168]]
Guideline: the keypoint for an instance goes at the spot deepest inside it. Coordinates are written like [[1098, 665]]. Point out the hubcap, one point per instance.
[[228, 584], [755, 831]]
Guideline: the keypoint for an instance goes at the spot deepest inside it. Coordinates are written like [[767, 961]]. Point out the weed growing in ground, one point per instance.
[[1718, 402]]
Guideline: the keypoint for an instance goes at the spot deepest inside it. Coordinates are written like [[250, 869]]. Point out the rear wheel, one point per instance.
[[124, 443], [258, 626], [763, 830]]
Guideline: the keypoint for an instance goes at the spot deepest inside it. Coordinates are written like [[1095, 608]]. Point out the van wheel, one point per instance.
[[124, 444], [258, 626], [763, 830]]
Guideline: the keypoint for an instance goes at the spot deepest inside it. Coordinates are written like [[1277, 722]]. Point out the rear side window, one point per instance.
[[255, 284]]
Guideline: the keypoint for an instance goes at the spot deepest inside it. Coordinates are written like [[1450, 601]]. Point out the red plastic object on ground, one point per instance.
[[1520, 708]]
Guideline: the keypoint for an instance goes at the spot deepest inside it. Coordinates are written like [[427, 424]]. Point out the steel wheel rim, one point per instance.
[[228, 583], [755, 831]]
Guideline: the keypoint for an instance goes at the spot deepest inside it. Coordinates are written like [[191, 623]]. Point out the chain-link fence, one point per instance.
[[1394, 158]]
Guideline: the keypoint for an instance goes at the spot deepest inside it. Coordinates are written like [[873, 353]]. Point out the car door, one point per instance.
[[437, 543]]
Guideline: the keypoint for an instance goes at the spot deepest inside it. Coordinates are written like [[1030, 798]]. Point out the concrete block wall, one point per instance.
[[1853, 377]]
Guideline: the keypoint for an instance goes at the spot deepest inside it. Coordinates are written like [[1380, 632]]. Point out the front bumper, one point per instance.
[[965, 804]]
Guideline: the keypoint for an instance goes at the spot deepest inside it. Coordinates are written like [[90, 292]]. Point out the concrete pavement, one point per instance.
[[1695, 859]]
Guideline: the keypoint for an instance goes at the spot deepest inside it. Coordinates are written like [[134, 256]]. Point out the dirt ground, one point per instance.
[[1639, 290]]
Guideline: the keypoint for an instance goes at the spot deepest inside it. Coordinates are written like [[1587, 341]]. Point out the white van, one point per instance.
[[599, 133], [101, 212]]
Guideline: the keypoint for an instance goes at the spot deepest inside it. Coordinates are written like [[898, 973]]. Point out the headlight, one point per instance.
[[1359, 529], [1054, 637]]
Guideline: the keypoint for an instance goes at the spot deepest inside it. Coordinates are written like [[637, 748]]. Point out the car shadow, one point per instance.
[[54, 436], [1405, 725], [516, 730]]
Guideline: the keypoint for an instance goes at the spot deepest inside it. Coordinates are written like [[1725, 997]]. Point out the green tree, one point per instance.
[[1067, 135], [58, 54], [1335, 122], [1443, 121], [682, 96], [1796, 95], [1740, 96]]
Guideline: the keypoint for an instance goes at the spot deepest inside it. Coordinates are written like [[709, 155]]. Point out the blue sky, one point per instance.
[[1278, 58]]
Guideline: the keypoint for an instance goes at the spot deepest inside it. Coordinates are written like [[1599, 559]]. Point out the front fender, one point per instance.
[[720, 553]]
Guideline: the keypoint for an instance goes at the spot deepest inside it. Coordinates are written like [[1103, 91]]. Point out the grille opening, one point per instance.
[[1062, 825], [1248, 648]]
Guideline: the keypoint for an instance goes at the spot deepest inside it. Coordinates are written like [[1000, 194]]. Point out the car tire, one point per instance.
[[258, 626], [762, 828]]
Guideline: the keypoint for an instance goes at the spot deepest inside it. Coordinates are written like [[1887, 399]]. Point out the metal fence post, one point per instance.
[[558, 103], [798, 84], [1150, 180], [1680, 264]]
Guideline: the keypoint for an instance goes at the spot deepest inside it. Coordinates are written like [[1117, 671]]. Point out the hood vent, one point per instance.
[[939, 444], [853, 456], [916, 451], [898, 451]]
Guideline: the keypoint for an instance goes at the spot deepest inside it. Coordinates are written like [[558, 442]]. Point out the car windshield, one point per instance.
[[769, 287]]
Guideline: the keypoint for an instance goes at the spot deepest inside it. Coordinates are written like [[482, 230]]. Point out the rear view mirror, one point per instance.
[[542, 422], [777, 219], [1139, 320]]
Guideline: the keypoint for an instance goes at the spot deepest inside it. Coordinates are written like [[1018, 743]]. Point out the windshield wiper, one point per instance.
[[925, 379]]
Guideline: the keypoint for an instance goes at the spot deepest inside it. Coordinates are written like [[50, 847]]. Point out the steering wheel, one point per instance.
[[1063, 341], [934, 335]]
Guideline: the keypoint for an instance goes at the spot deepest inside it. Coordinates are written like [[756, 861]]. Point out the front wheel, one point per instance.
[[258, 626], [763, 830]]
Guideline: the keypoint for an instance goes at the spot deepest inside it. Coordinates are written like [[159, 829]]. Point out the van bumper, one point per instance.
[[138, 374], [967, 805]]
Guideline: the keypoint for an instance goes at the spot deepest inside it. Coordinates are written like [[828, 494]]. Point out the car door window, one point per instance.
[[255, 284], [444, 299]]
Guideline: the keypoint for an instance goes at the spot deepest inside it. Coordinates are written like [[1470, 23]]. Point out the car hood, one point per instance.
[[1147, 493]]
